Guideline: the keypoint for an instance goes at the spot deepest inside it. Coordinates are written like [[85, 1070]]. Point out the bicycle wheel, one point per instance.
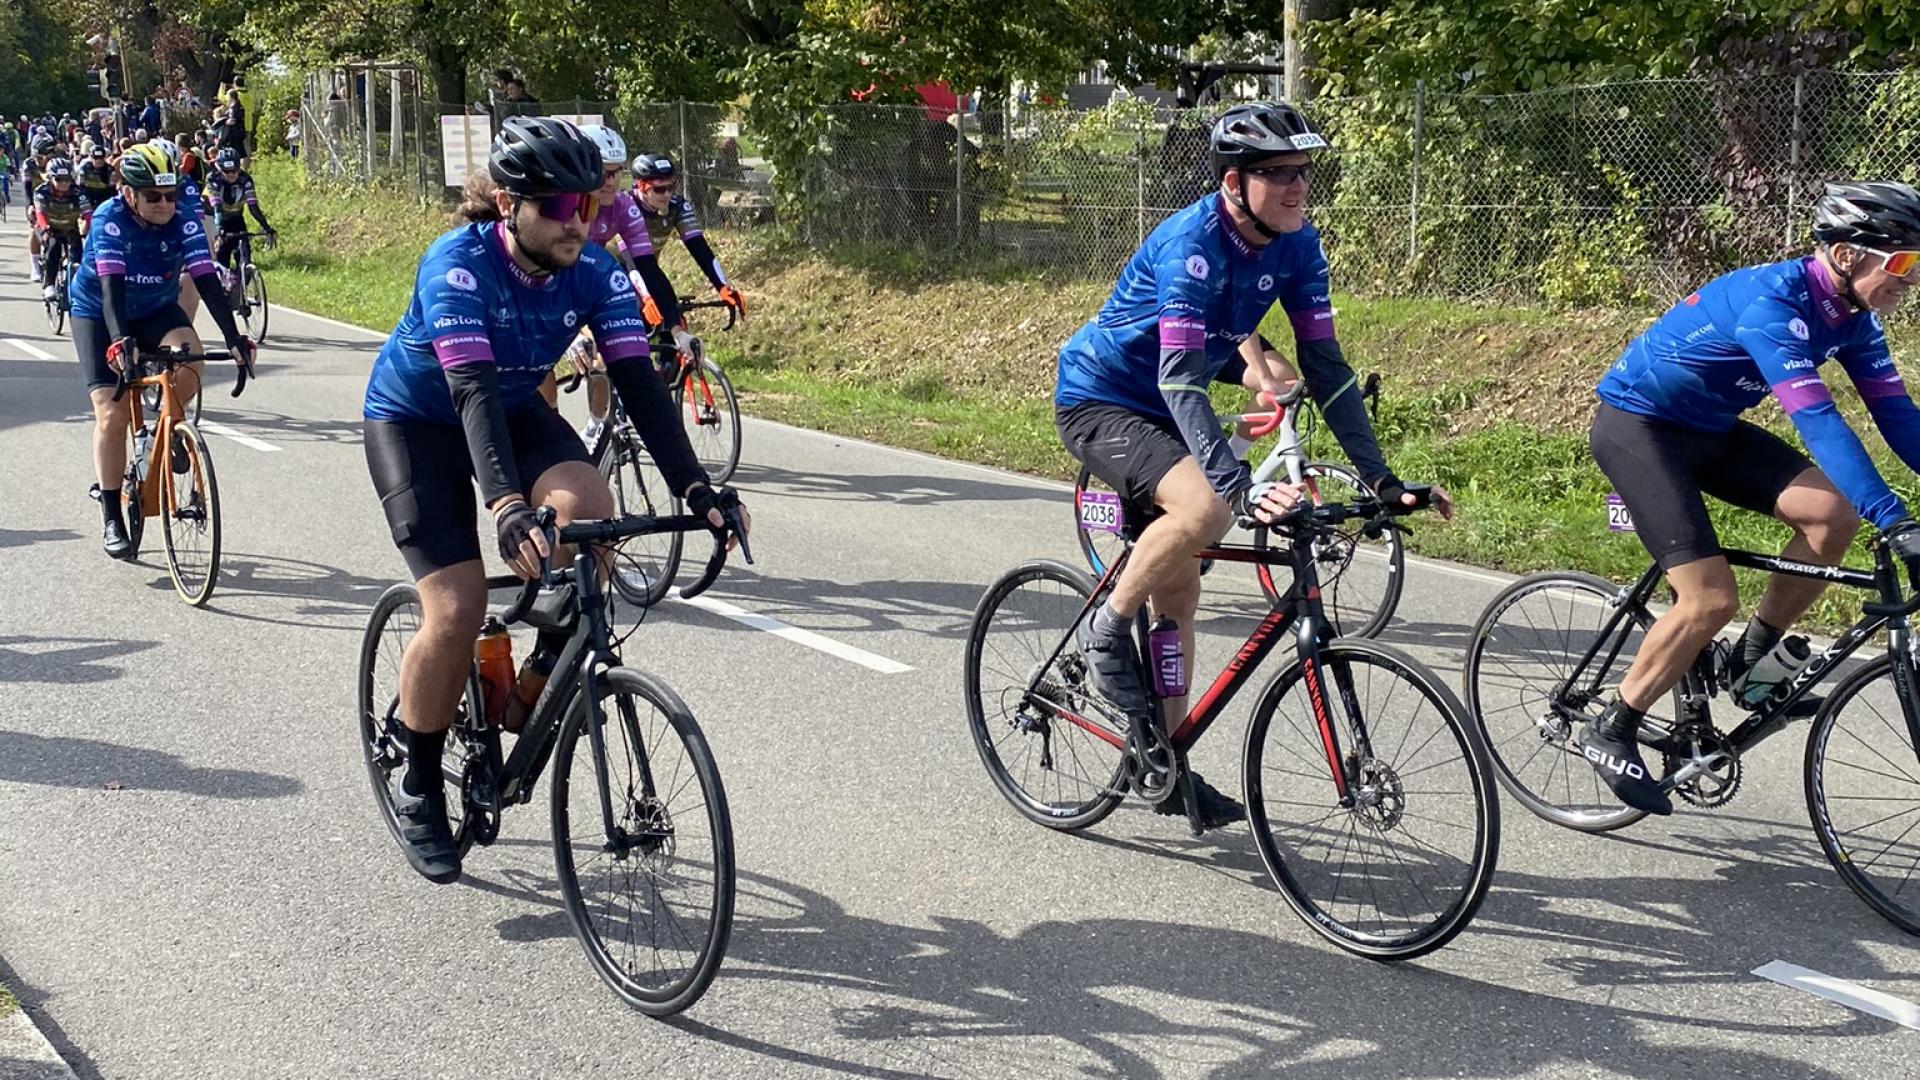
[[1521, 657], [190, 513], [1052, 753], [646, 565], [56, 312], [255, 287], [653, 904], [1863, 793], [395, 619], [1099, 546], [1361, 577], [1402, 870], [713, 419]]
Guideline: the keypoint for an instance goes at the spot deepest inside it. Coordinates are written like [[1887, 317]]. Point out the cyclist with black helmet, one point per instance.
[[1131, 398], [96, 175], [60, 212], [126, 300], [231, 193], [655, 185], [33, 173], [1668, 429], [454, 398]]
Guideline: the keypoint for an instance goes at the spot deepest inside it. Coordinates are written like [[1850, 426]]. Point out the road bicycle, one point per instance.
[[1550, 650], [247, 285], [1368, 791], [647, 564], [57, 305], [645, 856], [169, 471], [1362, 574], [705, 392]]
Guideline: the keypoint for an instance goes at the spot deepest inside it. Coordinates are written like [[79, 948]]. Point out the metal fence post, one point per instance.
[[396, 124], [1793, 161], [1419, 148], [1140, 181], [686, 162], [373, 91], [959, 172]]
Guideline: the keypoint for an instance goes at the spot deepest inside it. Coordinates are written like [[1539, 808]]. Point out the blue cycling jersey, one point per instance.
[[1717, 353], [150, 257], [473, 304], [1185, 301]]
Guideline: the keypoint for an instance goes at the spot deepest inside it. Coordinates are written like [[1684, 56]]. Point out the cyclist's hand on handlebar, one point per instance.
[[1392, 490], [682, 341], [734, 300], [1265, 503], [123, 354], [243, 349], [702, 499], [1904, 539], [523, 543]]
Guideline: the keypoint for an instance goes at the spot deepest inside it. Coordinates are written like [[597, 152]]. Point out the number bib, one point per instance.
[[1100, 512], [1618, 519]]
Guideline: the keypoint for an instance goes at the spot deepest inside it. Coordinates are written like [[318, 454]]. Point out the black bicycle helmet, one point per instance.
[[539, 155], [1880, 214], [43, 144], [228, 158], [1249, 134], [653, 167], [59, 169]]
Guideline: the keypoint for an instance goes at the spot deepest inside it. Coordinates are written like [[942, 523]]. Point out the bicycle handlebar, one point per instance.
[[688, 303], [168, 357], [1305, 515], [615, 530]]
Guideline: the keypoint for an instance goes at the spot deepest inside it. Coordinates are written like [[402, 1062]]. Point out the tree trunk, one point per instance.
[[447, 68]]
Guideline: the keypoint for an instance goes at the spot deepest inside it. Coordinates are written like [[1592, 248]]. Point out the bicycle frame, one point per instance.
[[1890, 611]]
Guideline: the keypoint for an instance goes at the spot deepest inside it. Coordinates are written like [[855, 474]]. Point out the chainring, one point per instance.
[[1715, 787]]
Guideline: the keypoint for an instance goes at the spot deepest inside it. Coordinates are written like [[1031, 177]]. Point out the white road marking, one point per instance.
[[798, 636], [244, 440], [1853, 995], [31, 349]]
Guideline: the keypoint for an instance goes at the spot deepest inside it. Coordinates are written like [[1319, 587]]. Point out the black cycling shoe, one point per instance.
[[425, 836], [116, 542], [1615, 755], [1113, 665], [182, 464], [1216, 807]]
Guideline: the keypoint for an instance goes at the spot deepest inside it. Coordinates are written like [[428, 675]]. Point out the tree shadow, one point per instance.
[[899, 489], [65, 761], [291, 592], [10, 538], [64, 660]]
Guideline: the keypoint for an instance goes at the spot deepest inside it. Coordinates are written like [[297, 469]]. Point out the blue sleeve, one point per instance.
[[1885, 393], [1776, 337], [1180, 277]]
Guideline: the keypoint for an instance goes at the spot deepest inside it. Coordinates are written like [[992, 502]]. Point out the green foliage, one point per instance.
[[43, 58], [1595, 259]]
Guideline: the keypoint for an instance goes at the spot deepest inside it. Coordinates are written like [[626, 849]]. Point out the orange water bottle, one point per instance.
[[493, 653]]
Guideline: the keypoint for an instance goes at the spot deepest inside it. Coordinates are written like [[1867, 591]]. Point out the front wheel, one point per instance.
[[645, 566], [643, 846], [254, 302], [712, 413], [189, 512], [1863, 792], [1398, 866], [1361, 577], [56, 306]]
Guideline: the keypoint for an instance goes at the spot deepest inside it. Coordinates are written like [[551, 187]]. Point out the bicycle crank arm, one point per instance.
[[1694, 767]]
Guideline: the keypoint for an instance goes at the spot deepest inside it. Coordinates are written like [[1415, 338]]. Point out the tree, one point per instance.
[[46, 61]]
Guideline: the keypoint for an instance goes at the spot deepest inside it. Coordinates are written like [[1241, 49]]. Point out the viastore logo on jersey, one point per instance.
[[1797, 327], [1197, 267], [461, 278]]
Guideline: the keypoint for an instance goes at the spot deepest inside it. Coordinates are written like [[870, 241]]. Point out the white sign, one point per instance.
[[465, 140]]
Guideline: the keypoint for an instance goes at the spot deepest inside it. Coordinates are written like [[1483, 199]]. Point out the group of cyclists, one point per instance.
[[552, 256]]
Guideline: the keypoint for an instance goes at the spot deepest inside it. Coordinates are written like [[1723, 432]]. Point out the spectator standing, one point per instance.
[[151, 117]]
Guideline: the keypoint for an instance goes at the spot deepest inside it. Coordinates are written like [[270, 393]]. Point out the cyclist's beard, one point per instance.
[[544, 258]]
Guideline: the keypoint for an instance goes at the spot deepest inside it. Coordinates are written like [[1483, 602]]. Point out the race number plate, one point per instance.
[[1618, 520], [1100, 512]]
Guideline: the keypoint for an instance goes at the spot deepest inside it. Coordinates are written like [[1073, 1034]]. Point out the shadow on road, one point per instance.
[[904, 489], [290, 592], [12, 538], [62, 761], [63, 660]]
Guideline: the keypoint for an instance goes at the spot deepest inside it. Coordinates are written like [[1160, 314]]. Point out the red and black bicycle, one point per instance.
[[1368, 791]]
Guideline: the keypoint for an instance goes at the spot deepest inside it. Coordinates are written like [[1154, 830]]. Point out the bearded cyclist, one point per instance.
[[1668, 429], [454, 397], [1131, 399]]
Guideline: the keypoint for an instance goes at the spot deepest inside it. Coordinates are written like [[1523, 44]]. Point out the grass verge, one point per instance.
[[958, 360]]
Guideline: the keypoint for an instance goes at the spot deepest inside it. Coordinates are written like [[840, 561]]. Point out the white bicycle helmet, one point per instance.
[[613, 149]]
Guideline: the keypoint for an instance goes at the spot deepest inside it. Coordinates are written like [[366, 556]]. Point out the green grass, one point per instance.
[[957, 358], [8, 1003]]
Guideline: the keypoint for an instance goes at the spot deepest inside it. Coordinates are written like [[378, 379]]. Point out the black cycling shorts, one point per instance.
[[90, 341], [1660, 470], [424, 475], [1131, 451]]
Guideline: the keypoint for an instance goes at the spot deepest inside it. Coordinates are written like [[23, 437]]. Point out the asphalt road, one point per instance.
[[194, 883]]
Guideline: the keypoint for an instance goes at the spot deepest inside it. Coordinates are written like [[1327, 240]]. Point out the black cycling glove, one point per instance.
[[514, 526]]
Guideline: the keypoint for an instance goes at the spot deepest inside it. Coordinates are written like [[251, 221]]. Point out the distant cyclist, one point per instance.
[[60, 212], [231, 194], [655, 185], [1669, 429]]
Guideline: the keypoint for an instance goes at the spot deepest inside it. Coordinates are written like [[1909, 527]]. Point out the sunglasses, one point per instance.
[[613, 174], [661, 185], [571, 204], [155, 198], [1899, 263], [1281, 174]]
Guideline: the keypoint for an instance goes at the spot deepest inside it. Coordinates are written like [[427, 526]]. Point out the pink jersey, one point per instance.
[[621, 217]]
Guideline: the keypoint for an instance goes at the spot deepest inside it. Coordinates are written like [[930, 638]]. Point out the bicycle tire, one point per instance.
[[646, 807], [1600, 813], [1379, 821], [1104, 787], [645, 568], [377, 688], [1898, 762], [130, 509], [56, 305], [254, 289], [1098, 546], [715, 438], [190, 517], [1355, 605]]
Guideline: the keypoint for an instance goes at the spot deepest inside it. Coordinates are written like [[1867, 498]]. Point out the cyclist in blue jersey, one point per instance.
[[1668, 428], [125, 299], [655, 186], [1131, 398], [454, 398]]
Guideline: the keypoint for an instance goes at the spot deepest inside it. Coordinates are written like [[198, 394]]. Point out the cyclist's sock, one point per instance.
[[110, 508], [1109, 624], [1755, 641], [423, 762], [1621, 720]]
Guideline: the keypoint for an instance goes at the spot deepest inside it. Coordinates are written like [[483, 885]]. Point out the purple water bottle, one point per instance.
[[1163, 655]]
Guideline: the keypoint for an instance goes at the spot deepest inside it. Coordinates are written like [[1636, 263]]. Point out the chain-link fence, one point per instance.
[[1615, 194]]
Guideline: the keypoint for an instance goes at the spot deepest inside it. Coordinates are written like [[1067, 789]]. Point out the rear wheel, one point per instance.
[[645, 566], [1054, 751], [190, 513], [254, 291]]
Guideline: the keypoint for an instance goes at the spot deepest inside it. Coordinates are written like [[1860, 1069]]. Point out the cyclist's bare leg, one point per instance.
[[1824, 525], [550, 391], [433, 671], [597, 392], [187, 377], [1705, 597], [109, 437], [577, 493]]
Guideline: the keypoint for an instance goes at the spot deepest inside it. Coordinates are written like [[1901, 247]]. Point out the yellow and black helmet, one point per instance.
[[145, 165]]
